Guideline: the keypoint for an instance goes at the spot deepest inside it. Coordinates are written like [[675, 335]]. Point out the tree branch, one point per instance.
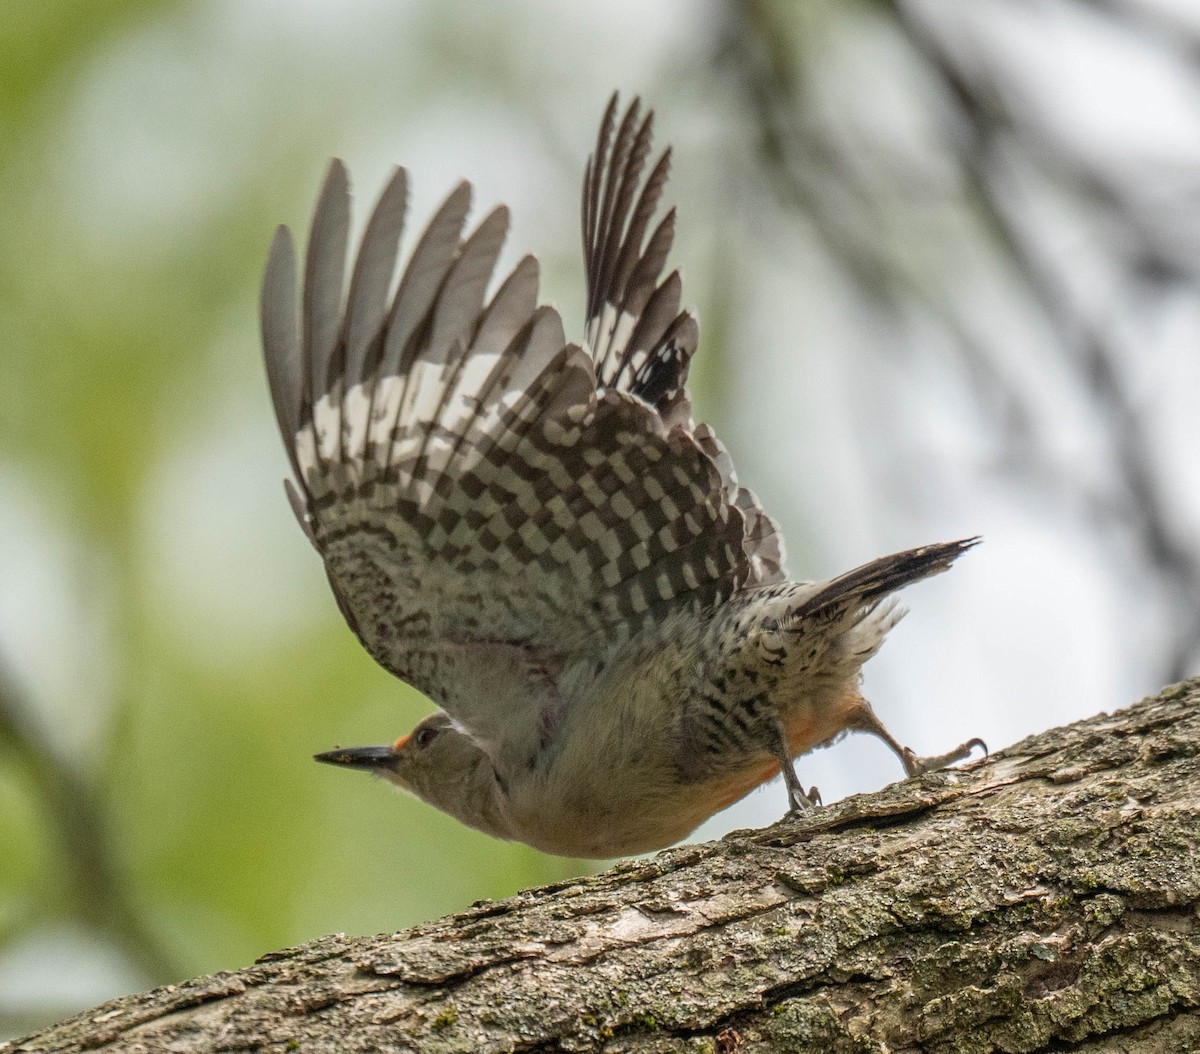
[[1043, 899], [98, 894]]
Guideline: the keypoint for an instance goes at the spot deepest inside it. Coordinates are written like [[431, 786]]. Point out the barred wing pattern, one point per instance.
[[640, 340], [465, 475]]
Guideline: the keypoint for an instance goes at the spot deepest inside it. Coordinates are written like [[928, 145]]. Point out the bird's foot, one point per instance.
[[800, 801], [915, 766]]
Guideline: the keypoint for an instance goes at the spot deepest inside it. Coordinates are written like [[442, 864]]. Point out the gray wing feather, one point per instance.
[[511, 307], [459, 307], [640, 339], [467, 477], [367, 301], [281, 338], [659, 314], [324, 271], [628, 312], [423, 277]]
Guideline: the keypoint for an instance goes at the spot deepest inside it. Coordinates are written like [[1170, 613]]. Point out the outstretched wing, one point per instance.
[[640, 339], [468, 482]]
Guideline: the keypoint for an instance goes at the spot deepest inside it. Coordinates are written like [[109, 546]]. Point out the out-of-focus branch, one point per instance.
[[99, 895], [803, 159], [1145, 506], [1159, 25], [799, 158]]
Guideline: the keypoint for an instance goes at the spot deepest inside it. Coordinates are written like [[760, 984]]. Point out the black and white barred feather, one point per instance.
[[639, 338], [469, 477]]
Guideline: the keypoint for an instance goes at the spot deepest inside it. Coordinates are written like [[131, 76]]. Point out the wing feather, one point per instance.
[[470, 478], [457, 311], [640, 339], [431, 261], [323, 276], [367, 301], [281, 339], [367, 304]]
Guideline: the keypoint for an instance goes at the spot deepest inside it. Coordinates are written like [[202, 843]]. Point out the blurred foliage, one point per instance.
[[41, 43], [930, 148], [166, 803], [169, 654]]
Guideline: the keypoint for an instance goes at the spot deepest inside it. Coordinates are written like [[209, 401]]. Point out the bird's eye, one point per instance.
[[425, 736]]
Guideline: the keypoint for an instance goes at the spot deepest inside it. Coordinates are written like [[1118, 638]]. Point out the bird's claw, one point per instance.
[[800, 802], [915, 766]]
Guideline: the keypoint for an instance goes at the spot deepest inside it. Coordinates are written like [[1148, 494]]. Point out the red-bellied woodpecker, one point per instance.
[[539, 537]]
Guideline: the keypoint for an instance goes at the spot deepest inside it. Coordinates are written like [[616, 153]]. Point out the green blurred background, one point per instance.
[[174, 658], [901, 219]]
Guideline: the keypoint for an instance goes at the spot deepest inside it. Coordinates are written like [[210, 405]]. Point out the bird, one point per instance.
[[537, 534]]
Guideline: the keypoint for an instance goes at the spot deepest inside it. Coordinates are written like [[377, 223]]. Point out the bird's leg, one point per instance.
[[798, 800], [866, 721], [914, 765]]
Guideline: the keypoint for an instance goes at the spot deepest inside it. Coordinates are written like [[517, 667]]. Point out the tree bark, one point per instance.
[[1046, 899]]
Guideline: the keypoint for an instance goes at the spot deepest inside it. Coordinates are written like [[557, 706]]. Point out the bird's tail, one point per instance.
[[856, 608], [865, 586]]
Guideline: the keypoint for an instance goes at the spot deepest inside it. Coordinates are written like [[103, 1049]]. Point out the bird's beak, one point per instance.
[[368, 759]]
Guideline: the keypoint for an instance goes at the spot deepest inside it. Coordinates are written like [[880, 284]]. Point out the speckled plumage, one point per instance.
[[539, 537]]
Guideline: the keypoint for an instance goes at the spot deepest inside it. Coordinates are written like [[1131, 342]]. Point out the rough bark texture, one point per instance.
[[1045, 899]]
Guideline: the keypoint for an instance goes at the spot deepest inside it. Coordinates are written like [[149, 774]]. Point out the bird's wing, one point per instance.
[[466, 479], [640, 339]]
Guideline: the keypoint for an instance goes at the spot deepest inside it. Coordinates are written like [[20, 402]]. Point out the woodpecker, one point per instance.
[[538, 536]]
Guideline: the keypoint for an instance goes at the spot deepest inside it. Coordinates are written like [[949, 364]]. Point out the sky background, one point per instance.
[[946, 260]]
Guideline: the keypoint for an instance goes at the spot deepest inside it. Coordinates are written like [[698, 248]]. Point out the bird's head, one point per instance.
[[442, 765]]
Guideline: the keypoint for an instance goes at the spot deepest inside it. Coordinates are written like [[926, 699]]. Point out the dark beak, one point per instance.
[[368, 759]]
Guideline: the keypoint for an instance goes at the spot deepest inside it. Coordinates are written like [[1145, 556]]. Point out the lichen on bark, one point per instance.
[[1043, 899]]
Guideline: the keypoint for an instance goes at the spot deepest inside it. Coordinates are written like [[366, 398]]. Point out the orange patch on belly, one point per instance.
[[803, 733], [725, 791]]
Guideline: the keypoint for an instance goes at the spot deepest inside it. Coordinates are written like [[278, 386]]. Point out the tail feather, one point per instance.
[[866, 586], [842, 623]]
